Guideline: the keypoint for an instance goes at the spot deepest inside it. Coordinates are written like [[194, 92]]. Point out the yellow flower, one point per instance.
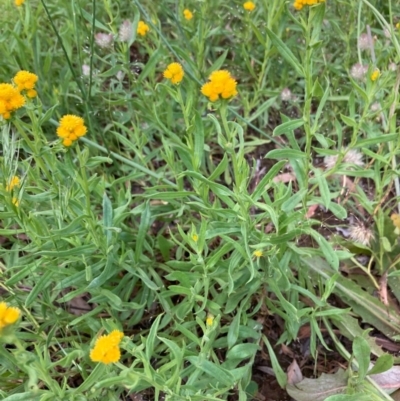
[[375, 75], [396, 220], [249, 6], [8, 315], [142, 28], [220, 84], [19, 2], [26, 80], [299, 4], [10, 100], [174, 72], [209, 320], [187, 14], [258, 253], [195, 237], [71, 128], [14, 182], [106, 349]]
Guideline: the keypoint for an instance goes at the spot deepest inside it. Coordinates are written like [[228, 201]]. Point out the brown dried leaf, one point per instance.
[[294, 374]]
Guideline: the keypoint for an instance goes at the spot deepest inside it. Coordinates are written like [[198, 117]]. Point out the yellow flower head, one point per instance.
[[8, 315], [249, 6], [10, 100], [106, 349], [14, 182], [375, 75], [258, 253], [26, 80], [174, 73], [195, 237], [221, 84], [396, 220], [71, 128], [187, 14], [299, 4], [19, 2], [209, 320], [142, 28]]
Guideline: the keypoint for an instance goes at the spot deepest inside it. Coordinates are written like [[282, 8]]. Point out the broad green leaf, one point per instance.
[[368, 307], [221, 375], [361, 352], [233, 332], [242, 351], [382, 364]]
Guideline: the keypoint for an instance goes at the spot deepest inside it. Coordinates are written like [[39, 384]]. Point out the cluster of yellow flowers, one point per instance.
[[221, 84], [174, 72], [26, 81], [71, 128], [142, 28], [106, 348], [187, 14], [8, 315], [19, 2], [11, 98], [299, 4]]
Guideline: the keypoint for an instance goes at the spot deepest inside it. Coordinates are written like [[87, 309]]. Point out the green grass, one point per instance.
[[150, 222]]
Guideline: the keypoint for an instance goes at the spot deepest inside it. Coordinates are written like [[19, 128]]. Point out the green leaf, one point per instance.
[[217, 372], [323, 188], [41, 284], [108, 271], [107, 217], [293, 201], [169, 195], [348, 121], [285, 52], [327, 249], [233, 332], [242, 351], [218, 63], [279, 373], [290, 125], [143, 228], [150, 66], [151, 337], [361, 352], [97, 160], [285, 154], [267, 179], [338, 210], [198, 141], [368, 307], [382, 364], [380, 138], [97, 374], [29, 396]]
